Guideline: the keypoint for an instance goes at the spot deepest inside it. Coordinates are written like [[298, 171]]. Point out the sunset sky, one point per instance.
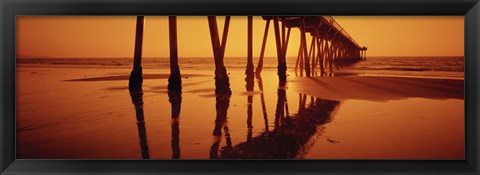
[[113, 36]]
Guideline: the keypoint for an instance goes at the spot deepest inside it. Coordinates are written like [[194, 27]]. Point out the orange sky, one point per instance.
[[113, 36]]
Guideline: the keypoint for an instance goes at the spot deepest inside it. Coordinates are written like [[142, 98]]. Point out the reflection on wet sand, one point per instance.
[[249, 86], [176, 103], [137, 100], [221, 106], [262, 100], [291, 135], [175, 99]]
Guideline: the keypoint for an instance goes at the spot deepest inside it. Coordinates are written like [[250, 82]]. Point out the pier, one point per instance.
[[330, 47]]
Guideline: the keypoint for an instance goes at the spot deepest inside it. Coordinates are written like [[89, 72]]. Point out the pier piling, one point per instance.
[[222, 84], [175, 79], [330, 46], [262, 51], [136, 76], [249, 68]]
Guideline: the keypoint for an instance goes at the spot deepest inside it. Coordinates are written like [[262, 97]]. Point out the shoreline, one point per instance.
[[414, 76], [289, 71], [339, 87], [379, 88]]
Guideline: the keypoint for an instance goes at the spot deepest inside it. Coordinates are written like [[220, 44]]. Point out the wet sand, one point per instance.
[[79, 113], [379, 88]]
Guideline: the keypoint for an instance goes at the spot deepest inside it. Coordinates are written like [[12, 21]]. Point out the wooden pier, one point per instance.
[[330, 46]]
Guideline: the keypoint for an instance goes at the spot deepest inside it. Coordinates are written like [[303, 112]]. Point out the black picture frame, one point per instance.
[[9, 9]]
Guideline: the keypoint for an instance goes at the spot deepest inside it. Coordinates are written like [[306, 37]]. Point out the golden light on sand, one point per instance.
[[78, 96]]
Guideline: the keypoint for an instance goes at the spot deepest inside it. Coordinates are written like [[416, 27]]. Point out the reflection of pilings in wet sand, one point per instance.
[[302, 102], [227, 138], [280, 110], [291, 138], [137, 99], [176, 103], [262, 99], [221, 106], [286, 107], [249, 86]]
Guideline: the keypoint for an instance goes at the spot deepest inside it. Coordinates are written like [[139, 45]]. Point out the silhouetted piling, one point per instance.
[[222, 84], [299, 62], [249, 68], [175, 79], [136, 76], [321, 53], [304, 42], [330, 45], [312, 54], [333, 55], [262, 51], [282, 65]]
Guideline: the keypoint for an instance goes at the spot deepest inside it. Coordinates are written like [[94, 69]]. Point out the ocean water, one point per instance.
[[450, 67]]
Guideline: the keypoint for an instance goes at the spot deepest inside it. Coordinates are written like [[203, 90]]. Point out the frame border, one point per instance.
[[9, 9]]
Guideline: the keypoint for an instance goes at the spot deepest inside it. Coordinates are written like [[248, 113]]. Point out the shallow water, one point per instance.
[[451, 67], [66, 113]]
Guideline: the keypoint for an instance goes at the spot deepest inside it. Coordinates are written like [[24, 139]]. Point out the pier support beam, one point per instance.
[[250, 83], [136, 76], [282, 65], [222, 83], [299, 62], [262, 52], [312, 55], [321, 53], [249, 68], [175, 79], [304, 43], [333, 50]]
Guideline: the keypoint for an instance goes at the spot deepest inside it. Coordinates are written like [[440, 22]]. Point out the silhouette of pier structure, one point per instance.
[[330, 46]]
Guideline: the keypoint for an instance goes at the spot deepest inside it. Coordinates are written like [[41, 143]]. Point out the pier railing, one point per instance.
[[340, 29]]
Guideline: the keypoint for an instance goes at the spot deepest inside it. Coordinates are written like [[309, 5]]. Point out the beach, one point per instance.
[[88, 113], [158, 87]]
